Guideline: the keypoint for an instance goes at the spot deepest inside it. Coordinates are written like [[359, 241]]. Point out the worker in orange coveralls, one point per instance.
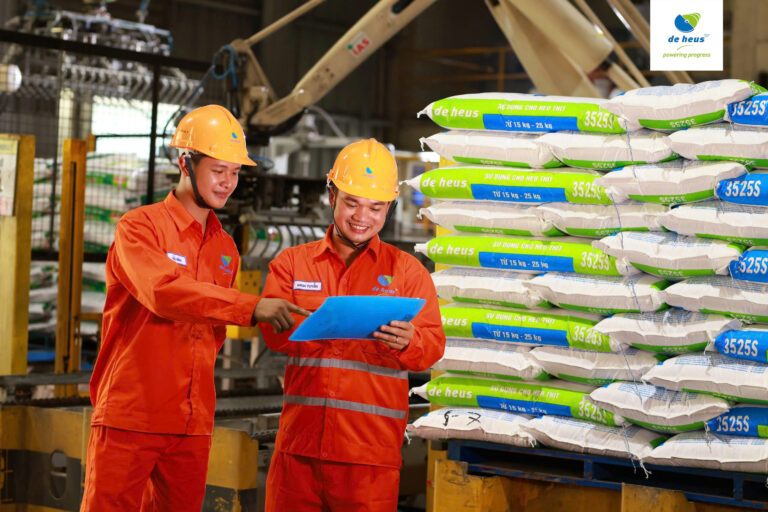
[[345, 404], [169, 280]]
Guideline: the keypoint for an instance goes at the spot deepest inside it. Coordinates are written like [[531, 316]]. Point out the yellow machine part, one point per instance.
[[247, 281], [42, 453]]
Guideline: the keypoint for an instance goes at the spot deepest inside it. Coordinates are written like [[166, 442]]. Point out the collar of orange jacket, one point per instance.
[[326, 244], [184, 220]]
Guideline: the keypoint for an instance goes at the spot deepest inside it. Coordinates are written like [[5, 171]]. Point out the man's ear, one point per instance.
[[183, 166], [331, 197]]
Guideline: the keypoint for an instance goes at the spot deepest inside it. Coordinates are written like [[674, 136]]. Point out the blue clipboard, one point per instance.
[[355, 317]]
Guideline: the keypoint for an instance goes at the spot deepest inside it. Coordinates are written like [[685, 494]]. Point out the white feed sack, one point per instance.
[[713, 373], [593, 368], [677, 182], [597, 221], [741, 223], [604, 151], [745, 300], [587, 437], [490, 217], [680, 106], [551, 397], [556, 327], [704, 450], [672, 331], [487, 286], [495, 359], [670, 255], [604, 295], [510, 184], [535, 255], [722, 142], [517, 112], [473, 423], [492, 148], [657, 408]]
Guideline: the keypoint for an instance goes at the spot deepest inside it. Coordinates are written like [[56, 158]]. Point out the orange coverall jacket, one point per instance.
[[347, 400], [169, 298]]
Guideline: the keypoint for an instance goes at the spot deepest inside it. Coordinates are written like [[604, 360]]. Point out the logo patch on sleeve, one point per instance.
[[177, 258], [310, 286]]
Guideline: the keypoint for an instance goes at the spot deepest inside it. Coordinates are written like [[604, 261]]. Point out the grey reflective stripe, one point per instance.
[[319, 362], [345, 404]]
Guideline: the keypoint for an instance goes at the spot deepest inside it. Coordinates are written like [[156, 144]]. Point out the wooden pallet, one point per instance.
[[698, 485]]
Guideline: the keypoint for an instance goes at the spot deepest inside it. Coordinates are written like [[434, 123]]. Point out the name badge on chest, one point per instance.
[[310, 286], [177, 258]]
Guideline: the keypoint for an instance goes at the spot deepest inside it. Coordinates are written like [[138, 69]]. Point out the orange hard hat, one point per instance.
[[366, 169], [213, 131]]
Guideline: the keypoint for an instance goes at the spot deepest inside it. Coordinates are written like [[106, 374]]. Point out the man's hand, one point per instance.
[[277, 313], [396, 335]]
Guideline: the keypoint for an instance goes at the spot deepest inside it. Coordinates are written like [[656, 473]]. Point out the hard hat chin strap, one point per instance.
[[347, 241], [198, 198]]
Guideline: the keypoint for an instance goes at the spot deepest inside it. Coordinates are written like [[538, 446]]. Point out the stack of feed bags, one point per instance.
[[624, 229], [115, 183]]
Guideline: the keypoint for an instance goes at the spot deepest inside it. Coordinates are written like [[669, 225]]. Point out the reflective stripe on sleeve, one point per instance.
[[319, 362], [345, 404]]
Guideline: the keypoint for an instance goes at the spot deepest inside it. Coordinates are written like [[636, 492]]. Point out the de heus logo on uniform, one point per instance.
[[687, 35]]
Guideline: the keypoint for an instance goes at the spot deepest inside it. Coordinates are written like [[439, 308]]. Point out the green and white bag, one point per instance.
[[516, 112], [598, 221], [593, 368], [487, 286], [494, 359], [510, 185], [475, 424], [723, 295], [681, 181], [603, 152], [740, 223], [670, 255], [672, 331], [701, 449], [602, 295], [488, 217], [533, 328], [563, 254], [748, 146], [679, 106], [553, 397], [587, 437], [657, 408], [492, 148], [713, 373]]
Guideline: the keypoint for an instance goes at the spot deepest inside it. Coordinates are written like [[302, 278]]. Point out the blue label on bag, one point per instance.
[[751, 266], [749, 421], [747, 189], [529, 123], [520, 334], [526, 194], [530, 262], [749, 344], [522, 406], [751, 112]]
